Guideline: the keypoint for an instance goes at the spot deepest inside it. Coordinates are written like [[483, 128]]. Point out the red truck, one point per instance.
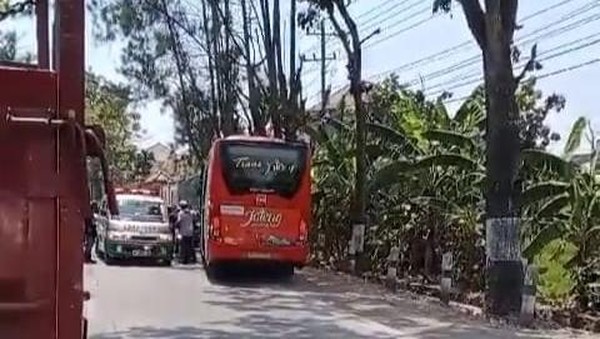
[[44, 198]]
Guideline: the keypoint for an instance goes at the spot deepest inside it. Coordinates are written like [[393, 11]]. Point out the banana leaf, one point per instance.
[[450, 138], [554, 206], [390, 174], [544, 190], [449, 160], [394, 136], [549, 233]]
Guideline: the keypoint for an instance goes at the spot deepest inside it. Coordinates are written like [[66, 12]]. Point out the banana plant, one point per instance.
[[567, 208]]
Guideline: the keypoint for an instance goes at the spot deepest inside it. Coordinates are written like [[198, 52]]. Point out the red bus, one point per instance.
[[257, 202]]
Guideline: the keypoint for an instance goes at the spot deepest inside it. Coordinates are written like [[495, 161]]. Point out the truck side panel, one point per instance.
[[29, 186]]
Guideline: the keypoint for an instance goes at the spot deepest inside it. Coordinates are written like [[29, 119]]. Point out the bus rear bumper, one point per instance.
[[219, 252]]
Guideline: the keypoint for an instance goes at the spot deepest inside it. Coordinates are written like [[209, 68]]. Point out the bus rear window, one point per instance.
[[269, 168]]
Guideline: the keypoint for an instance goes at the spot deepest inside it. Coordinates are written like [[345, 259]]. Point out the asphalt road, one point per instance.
[[180, 302]]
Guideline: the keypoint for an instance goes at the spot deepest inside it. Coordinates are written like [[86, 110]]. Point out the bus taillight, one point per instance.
[[215, 229], [303, 231]]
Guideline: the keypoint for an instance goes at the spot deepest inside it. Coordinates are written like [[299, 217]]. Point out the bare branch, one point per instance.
[[530, 66], [475, 20], [342, 35]]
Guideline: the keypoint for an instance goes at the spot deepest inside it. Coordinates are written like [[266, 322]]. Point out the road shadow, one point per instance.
[[249, 276], [316, 304], [255, 329], [332, 298]]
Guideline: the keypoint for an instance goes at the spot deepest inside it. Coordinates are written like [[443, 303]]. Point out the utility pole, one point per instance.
[[322, 59]]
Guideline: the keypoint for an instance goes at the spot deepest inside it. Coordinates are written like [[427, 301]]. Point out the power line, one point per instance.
[[548, 57], [379, 20], [395, 34], [570, 15], [376, 8], [545, 75], [391, 15], [547, 9], [442, 54], [474, 60]]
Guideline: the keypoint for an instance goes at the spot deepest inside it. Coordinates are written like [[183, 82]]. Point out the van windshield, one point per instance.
[[270, 168], [139, 210]]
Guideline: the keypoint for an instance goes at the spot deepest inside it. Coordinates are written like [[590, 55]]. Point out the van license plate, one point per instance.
[[140, 253], [255, 255]]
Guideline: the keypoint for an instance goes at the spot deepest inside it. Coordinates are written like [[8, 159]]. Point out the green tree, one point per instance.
[[107, 105], [347, 31], [8, 39], [493, 28]]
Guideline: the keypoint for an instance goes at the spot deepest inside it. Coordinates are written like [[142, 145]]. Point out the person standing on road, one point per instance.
[[185, 225], [90, 234], [173, 213]]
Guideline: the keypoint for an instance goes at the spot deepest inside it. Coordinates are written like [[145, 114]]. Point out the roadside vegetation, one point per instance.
[[425, 181], [421, 177]]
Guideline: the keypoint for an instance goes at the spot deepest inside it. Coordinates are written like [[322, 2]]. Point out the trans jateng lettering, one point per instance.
[[263, 218], [274, 166]]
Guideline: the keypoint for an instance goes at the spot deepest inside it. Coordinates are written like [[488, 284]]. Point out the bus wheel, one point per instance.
[[215, 271], [287, 271]]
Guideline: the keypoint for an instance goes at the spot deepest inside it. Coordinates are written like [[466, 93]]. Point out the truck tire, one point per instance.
[[84, 331]]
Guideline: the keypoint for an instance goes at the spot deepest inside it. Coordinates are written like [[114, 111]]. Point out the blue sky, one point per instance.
[[410, 32]]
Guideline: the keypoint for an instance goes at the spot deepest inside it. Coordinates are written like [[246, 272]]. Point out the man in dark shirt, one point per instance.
[[172, 221], [90, 234]]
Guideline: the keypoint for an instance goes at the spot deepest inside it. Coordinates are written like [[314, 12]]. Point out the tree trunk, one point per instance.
[[505, 275], [179, 63], [253, 92], [271, 69], [352, 45], [292, 112], [282, 103], [227, 115], [211, 69]]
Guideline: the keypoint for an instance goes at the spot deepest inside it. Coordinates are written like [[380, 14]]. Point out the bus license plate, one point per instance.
[[140, 253], [256, 255]]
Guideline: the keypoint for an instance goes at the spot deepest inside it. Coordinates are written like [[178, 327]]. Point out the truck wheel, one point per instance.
[[84, 331]]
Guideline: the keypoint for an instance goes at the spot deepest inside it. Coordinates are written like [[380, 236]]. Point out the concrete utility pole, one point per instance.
[[322, 59]]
